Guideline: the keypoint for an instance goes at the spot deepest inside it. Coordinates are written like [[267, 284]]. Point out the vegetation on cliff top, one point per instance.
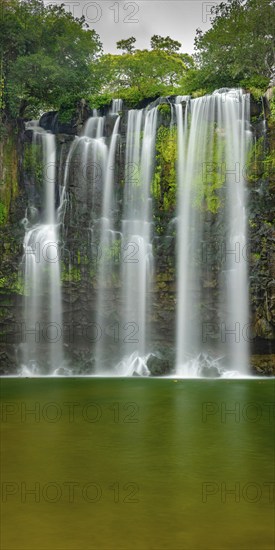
[[50, 59], [46, 57], [238, 50]]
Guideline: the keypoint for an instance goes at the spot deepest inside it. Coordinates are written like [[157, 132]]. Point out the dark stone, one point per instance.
[[158, 366], [50, 121]]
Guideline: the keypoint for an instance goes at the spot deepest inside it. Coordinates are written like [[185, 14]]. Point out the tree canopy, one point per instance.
[[50, 59], [45, 56], [127, 45], [137, 74], [239, 47], [167, 44]]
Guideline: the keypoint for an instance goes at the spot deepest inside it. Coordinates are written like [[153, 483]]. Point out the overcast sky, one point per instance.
[[114, 20]]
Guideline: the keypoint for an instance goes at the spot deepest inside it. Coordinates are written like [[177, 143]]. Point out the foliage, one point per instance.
[[132, 96], [8, 173], [261, 162], [164, 180], [239, 45], [32, 161], [207, 184], [70, 274], [164, 109], [126, 45], [3, 213], [167, 44], [196, 82], [12, 283], [100, 100], [45, 57], [142, 74], [272, 108]]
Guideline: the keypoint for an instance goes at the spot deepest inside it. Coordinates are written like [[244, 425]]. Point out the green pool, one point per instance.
[[137, 464]]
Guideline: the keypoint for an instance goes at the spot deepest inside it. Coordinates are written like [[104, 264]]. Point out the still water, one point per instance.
[[122, 464]]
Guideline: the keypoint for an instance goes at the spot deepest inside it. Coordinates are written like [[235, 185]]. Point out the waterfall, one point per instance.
[[107, 239], [136, 256], [42, 327], [212, 306], [88, 153], [211, 162], [116, 106], [94, 127]]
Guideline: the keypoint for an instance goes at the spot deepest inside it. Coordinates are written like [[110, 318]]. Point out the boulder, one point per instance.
[[158, 366]]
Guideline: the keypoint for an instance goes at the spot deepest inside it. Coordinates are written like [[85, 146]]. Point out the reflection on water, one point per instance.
[[137, 464]]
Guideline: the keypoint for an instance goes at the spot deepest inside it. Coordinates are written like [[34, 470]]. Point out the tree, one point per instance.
[[127, 45], [240, 44], [143, 73], [166, 44], [46, 55]]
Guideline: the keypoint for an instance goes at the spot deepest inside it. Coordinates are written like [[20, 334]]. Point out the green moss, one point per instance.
[[164, 109], [272, 108], [70, 274], [199, 93], [255, 256], [210, 170], [3, 213], [8, 175], [256, 93], [12, 284], [164, 185], [111, 252], [32, 161], [261, 162], [205, 184]]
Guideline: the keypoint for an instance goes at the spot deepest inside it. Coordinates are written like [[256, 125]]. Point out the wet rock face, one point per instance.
[[7, 361], [80, 285], [52, 121], [261, 217], [263, 365]]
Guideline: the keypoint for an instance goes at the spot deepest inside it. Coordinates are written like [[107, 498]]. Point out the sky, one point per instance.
[[116, 20]]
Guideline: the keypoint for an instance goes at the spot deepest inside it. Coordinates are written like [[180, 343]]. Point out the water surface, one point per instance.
[[122, 464]]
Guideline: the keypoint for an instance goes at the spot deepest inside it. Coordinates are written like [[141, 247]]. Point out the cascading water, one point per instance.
[[213, 136], [116, 106], [136, 257], [89, 153], [211, 163], [42, 341], [107, 238], [236, 125]]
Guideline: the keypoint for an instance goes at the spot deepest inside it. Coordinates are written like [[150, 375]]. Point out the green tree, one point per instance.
[[142, 74], [239, 45], [46, 55], [165, 43], [126, 45]]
